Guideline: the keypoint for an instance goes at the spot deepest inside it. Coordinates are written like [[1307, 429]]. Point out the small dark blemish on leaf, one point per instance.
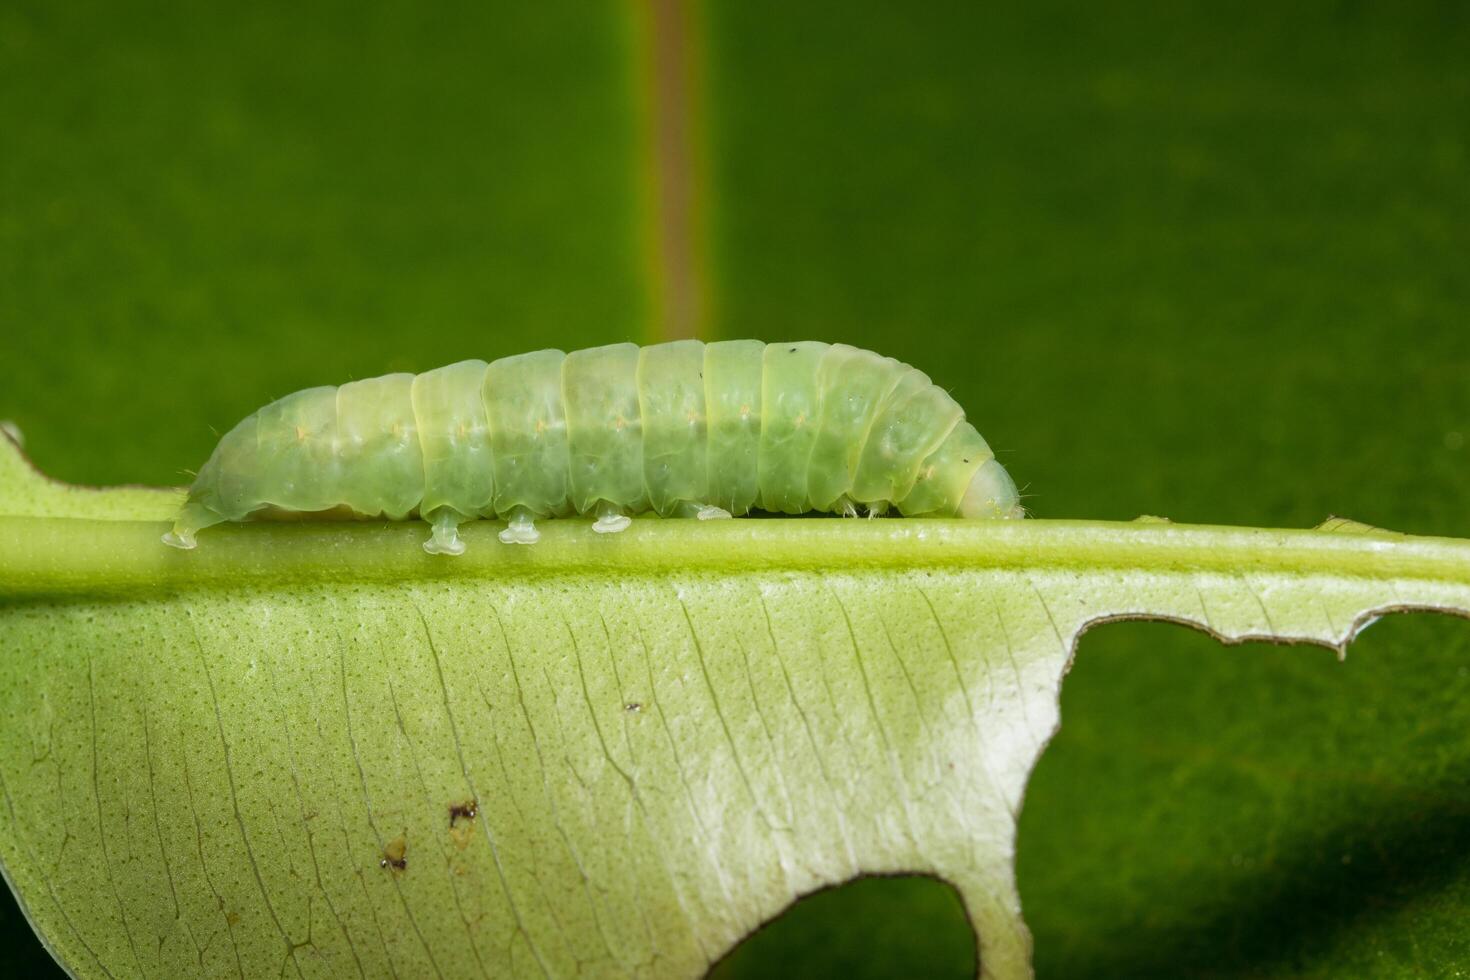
[[463, 811], [633, 706], [395, 854]]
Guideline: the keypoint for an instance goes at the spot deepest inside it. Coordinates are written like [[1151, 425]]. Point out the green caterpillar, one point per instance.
[[684, 429]]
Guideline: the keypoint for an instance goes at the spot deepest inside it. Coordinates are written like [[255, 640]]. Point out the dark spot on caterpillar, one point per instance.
[[967, 460], [633, 706], [792, 351], [395, 854], [463, 811]]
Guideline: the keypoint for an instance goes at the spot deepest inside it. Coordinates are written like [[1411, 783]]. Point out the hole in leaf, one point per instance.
[[1255, 809], [873, 927]]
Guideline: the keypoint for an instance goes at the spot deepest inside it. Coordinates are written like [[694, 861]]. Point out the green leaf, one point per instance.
[[313, 748]]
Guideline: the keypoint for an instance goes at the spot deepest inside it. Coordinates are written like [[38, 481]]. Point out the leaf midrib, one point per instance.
[[68, 556]]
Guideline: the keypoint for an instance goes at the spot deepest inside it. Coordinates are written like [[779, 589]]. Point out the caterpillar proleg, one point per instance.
[[683, 429]]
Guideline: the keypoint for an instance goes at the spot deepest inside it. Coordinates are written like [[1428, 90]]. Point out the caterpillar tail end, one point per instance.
[[992, 495], [194, 518], [180, 538]]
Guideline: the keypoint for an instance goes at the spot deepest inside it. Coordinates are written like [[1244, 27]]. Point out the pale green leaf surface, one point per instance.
[[668, 735], [28, 493]]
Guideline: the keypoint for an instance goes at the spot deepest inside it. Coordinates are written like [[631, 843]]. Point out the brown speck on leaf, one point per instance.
[[395, 854], [633, 706], [463, 811]]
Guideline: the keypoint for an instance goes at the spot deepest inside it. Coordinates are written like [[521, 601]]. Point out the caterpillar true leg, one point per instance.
[[610, 518], [521, 528], [194, 518], [445, 539]]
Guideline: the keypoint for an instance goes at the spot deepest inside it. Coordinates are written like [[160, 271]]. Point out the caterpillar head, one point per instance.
[[991, 494]]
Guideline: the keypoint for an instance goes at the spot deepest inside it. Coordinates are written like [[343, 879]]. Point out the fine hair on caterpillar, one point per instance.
[[683, 429]]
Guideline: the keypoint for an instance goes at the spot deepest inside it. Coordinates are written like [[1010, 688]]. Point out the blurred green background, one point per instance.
[[1210, 263]]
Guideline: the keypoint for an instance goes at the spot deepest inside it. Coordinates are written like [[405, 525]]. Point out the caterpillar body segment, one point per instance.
[[683, 429], [734, 372]]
